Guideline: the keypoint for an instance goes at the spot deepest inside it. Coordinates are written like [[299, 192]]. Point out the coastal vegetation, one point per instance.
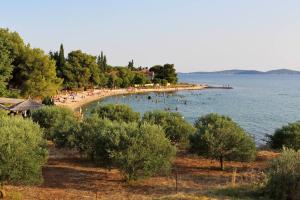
[[287, 136], [117, 112], [23, 151], [29, 72], [176, 128], [284, 176], [219, 137], [141, 148]]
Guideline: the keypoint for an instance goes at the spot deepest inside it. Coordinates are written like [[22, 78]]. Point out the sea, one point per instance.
[[258, 103]]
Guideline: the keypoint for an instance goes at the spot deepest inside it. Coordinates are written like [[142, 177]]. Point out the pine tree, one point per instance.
[[131, 65], [61, 57]]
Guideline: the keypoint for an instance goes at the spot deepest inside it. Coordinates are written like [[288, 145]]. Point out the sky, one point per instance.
[[195, 35]]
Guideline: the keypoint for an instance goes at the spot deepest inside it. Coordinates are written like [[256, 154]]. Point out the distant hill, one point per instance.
[[239, 71]]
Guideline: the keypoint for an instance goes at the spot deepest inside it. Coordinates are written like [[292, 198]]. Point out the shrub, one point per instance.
[[284, 176], [288, 136], [52, 118], [139, 151], [220, 138], [23, 151], [117, 113], [146, 153], [176, 128], [48, 101]]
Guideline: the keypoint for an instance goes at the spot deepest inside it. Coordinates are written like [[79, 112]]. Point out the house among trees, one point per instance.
[[148, 73]]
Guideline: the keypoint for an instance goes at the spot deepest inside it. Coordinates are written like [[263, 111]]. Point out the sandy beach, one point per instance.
[[79, 99]]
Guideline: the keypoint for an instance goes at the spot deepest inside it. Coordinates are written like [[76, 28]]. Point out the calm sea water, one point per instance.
[[259, 103]]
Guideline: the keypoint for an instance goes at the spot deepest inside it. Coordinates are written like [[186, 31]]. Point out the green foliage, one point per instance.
[[131, 65], [102, 62], [143, 152], [35, 74], [117, 112], [288, 136], [77, 72], [284, 176], [11, 45], [139, 151], [176, 128], [52, 119], [3, 113], [166, 72], [23, 151], [220, 138], [48, 101]]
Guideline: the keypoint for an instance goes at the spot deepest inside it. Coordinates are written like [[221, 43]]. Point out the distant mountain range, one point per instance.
[[239, 71]]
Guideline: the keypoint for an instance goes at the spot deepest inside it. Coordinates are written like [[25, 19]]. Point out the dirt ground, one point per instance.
[[67, 176]]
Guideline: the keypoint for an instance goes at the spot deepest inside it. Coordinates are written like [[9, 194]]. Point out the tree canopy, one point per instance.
[[116, 112], [23, 151], [221, 138], [176, 128], [288, 136], [26, 71]]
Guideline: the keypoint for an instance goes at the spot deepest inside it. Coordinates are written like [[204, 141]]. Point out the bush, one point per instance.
[[288, 136], [139, 151], [23, 151], [284, 176], [220, 138], [48, 101], [117, 113], [176, 128], [52, 118], [146, 153]]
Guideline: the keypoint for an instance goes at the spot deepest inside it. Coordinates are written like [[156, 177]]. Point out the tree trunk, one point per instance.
[[222, 163]]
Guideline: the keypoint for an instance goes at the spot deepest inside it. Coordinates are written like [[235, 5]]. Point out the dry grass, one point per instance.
[[67, 176]]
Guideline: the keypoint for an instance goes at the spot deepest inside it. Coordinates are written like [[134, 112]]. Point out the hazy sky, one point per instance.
[[195, 35]]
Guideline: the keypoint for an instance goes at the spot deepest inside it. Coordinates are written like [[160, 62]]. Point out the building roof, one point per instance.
[[3, 107], [25, 105], [4, 100]]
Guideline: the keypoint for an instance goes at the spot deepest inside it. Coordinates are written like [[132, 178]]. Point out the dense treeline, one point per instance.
[[29, 71]]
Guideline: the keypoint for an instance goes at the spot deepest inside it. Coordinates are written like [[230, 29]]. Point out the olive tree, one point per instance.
[[53, 119], [147, 152], [288, 136], [117, 113], [219, 137], [137, 150], [176, 128], [283, 180], [23, 151]]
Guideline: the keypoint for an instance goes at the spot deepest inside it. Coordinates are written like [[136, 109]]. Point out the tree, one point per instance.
[[176, 128], [143, 151], [139, 151], [52, 118], [80, 70], [23, 151], [140, 79], [117, 112], [220, 138], [6, 67], [283, 177], [102, 62], [288, 136], [131, 65], [36, 75], [166, 72], [11, 45]]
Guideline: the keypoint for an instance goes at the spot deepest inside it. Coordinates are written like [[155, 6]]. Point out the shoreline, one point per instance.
[[82, 98]]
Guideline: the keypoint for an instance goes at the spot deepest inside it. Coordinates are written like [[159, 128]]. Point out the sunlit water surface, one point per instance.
[[259, 103]]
